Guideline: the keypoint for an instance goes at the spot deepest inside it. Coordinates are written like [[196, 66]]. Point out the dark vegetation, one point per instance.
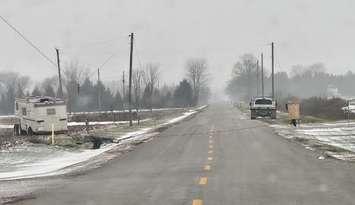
[[320, 107], [83, 93], [301, 81], [322, 94]]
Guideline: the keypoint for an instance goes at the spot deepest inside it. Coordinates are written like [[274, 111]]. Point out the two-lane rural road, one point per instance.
[[218, 157]]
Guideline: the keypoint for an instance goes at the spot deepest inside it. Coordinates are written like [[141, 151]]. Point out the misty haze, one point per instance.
[[177, 102]]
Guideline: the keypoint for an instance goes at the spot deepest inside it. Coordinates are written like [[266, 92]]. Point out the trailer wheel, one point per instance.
[[17, 130], [30, 131], [23, 132]]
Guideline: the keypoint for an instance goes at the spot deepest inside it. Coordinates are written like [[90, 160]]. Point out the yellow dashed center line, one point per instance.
[[203, 181], [197, 202]]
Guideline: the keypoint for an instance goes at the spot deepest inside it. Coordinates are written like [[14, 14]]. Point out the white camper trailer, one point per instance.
[[39, 114]]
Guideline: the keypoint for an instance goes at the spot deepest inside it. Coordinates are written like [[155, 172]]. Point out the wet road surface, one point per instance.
[[218, 157]]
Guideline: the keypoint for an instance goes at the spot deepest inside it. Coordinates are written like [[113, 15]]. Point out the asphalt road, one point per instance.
[[218, 157]]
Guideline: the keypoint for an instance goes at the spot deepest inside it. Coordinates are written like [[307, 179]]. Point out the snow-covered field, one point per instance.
[[337, 134], [104, 123], [35, 160], [120, 111]]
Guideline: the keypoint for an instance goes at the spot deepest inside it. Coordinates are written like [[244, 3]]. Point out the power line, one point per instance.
[[103, 64], [107, 60], [28, 41]]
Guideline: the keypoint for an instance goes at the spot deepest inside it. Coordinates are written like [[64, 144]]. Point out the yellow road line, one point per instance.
[[211, 146], [207, 168], [210, 158], [210, 152], [197, 202], [203, 181], [211, 136]]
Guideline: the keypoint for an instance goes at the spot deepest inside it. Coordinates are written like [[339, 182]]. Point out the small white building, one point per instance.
[[332, 92], [38, 114]]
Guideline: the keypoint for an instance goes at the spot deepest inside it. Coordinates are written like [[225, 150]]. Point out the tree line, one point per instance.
[[303, 81], [84, 94]]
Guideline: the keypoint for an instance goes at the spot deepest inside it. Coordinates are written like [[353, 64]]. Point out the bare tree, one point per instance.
[[49, 85], [137, 86], [196, 72], [244, 76], [23, 83], [73, 76], [151, 79], [12, 85]]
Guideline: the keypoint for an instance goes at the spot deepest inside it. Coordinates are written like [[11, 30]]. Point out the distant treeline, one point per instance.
[[302, 81], [84, 94]]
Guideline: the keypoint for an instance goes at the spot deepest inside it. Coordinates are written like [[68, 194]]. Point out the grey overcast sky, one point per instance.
[[170, 31]]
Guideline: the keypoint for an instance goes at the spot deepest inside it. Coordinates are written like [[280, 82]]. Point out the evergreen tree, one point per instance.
[[183, 95]]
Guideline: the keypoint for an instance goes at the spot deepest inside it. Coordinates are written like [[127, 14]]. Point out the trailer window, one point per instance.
[[263, 102], [24, 111], [51, 111]]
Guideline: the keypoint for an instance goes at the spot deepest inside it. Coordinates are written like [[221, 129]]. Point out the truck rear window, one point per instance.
[[263, 102]]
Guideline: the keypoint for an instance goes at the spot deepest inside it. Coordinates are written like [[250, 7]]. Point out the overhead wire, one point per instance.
[[28, 41]]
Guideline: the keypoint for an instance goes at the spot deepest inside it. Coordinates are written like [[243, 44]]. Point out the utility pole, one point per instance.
[[98, 89], [272, 70], [262, 74], [123, 89], [130, 81], [257, 78], [60, 89]]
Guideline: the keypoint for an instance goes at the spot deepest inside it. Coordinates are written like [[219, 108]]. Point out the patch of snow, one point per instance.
[[7, 116], [321, 157], [337, 134], [103, 123], [6, 126], [51, 165]]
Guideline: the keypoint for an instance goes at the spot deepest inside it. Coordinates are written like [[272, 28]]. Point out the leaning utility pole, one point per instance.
[[130, 81], [262, 74], [60, 88], [272, 70], [257, 78], [98, 89]]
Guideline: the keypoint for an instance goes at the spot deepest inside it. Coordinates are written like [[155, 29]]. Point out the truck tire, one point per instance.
[[252, 115], [273, 114]]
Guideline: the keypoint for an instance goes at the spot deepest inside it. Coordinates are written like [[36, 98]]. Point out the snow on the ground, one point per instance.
[[120, 111], [7, 116], [6, 126], [36, 160], [41, 160], [339, 134], [104, 123]]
